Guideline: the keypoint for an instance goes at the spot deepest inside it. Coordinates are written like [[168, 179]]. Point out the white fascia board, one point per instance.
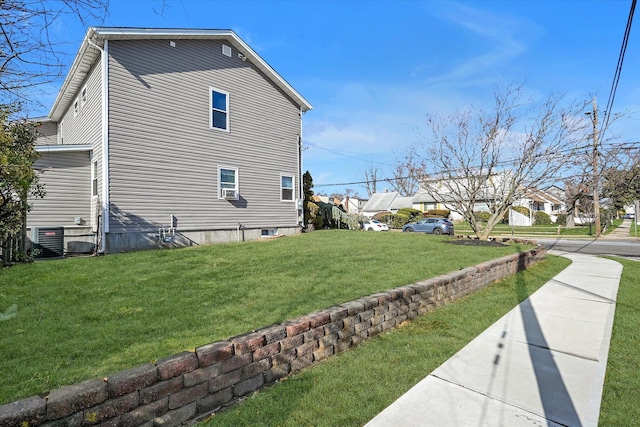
[[80, 67], [63, 148]]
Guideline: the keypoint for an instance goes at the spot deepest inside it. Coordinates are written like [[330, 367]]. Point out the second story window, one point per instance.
[[219, 110], [286, 188]]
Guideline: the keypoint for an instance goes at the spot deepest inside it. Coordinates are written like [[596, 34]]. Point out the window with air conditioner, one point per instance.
[[227, 183]]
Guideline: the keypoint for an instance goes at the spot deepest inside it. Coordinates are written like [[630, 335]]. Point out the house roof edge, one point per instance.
[[94, 40]]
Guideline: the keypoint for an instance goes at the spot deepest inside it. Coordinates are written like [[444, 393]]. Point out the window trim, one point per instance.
[[237, 183], [94, 177], [76, 107], [293, 187], [212, 109]]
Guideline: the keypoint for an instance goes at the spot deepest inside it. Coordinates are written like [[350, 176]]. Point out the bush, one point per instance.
[[399, 220], [482, 216], [444, 213], [561, 219], [380, 215], [410, 213], [542, 218]]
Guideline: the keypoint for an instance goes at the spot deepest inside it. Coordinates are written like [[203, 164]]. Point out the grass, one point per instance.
[[360, 383], [619, 401], [84, 318], [538, 230]]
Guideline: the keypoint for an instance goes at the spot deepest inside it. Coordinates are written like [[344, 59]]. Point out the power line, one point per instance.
[[340, 153], [618, 72], [567, 151]]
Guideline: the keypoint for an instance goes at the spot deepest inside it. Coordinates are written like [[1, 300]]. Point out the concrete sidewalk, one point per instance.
[[625, 231], [543, 363]]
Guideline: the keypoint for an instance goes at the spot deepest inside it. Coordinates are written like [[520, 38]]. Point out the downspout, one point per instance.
[[105, 144], [300, 211]]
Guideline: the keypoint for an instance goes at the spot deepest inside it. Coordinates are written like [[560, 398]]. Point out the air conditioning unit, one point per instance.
[[228, 193], [47, 242]]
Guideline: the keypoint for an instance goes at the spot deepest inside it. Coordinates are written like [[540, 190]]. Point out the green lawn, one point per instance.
[[622, 382], [83, 318], [360, 383], [379, 371], [537, 230]]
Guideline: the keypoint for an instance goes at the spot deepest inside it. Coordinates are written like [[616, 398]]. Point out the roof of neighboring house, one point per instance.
[[94, 40], [401, 202], [323, 199], [538, 195], [380, 202], [423, 197]]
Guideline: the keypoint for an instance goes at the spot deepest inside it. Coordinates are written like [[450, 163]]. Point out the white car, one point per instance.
[[374, 225]]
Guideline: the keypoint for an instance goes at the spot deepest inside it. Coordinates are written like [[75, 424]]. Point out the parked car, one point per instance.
[[430, 225], [374, 225], [629, 216]]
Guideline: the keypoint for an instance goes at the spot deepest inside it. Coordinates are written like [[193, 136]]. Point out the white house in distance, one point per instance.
[[169, 137], [548, 201], [542, 201]]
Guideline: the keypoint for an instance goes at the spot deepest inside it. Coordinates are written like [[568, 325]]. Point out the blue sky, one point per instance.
[[374, 69]]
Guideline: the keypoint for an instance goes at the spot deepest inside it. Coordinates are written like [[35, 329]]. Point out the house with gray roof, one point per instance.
[[169, 137], [379, 202]]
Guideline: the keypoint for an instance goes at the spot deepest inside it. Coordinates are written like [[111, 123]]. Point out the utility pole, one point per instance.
[[596, 197]]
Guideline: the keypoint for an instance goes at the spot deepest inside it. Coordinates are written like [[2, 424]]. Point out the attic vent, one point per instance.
[[226, 50], [172, 44]]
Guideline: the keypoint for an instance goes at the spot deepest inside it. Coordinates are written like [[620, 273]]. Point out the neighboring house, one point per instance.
[[400, 203], [379, 202], [169, 137], [541, 201], [425, 202], [450, 193], [354, 205]]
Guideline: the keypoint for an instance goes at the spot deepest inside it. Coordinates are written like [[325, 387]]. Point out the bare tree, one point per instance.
[[371, 177], [483, 160], [30, 54], [409, 171]]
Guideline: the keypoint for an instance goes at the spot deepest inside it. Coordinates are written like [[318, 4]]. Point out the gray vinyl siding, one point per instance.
[[85, 127], [164, 156], [67, 181], [47, 133]]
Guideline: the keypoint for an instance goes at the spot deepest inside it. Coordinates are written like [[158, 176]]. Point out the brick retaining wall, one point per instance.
[[188, 385]]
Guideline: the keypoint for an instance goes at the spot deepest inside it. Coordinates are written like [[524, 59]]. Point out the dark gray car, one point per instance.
[[431, 226]]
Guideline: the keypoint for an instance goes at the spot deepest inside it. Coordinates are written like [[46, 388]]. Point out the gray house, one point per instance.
[[169, 137]]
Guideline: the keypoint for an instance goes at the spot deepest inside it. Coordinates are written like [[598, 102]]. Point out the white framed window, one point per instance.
[[219, 103], [94, 178], [287, 191], [76, 107], [83, 96], [227, 183]]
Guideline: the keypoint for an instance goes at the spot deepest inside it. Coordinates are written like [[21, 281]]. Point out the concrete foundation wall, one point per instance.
[[135, 241], [191, 385], [82, 240]]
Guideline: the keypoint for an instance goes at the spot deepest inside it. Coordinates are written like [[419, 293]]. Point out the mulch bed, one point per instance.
[[475, 242]]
